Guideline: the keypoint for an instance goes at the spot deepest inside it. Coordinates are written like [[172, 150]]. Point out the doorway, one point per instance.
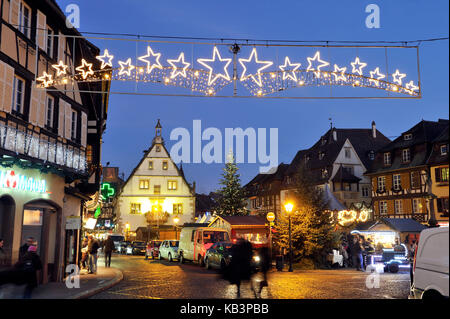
[[7, 213]]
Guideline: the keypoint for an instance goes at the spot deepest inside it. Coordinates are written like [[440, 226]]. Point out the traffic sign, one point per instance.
[[270, 217]]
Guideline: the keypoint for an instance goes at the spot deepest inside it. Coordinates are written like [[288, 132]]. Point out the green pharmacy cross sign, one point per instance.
[[107, 191]]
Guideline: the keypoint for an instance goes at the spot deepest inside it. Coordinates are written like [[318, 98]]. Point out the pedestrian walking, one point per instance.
[[27, 269], [239, 268], [356, 253], [84, 253], [24, 248], [265, 266], [93, 247], [108, 249]]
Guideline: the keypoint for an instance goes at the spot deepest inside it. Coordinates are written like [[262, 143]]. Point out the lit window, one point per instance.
[[135, 208], [444, 149], [383, 207], [381, 183], [50, 111], [150, 164], [165, 165], [18, 95], [398, 206], [24, 19], [177, 209], [172, 185], [157, 189], [417, 206], [397, 181], [387, 158], [442, 174], [406, 155], [144, 184]]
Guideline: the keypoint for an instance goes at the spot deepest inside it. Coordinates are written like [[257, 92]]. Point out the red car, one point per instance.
[[153, 249]]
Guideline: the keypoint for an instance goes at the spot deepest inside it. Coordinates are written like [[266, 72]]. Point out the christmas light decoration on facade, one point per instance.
[[410, 86], [376, 76], [397, 77], [85, 69], [321, 64], [339, 73], [357, 66], [46, 79], [106, 59], [150, 65], [61, 68], [126, 67], [288, 72], [176, 71], [223, 75], [254, 55]]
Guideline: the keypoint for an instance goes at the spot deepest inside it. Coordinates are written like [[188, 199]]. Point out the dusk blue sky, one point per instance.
[[131, 119]]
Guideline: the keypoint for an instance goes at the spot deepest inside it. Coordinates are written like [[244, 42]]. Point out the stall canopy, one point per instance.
[[402, 225]]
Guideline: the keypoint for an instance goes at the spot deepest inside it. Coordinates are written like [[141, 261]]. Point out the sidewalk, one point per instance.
[[89, 286]]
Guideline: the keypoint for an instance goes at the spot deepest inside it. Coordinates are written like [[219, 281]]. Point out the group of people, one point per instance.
[[240, 267], [89, 253], [353, 249], [25, 271]]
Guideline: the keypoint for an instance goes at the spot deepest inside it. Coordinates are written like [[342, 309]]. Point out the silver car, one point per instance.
[[169, 250]]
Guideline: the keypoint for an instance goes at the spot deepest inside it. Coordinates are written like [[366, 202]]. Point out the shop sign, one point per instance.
[[73, 222], [9, 179]]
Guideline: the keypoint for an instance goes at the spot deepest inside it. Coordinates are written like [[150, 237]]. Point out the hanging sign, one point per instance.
[[73, 222], [10, 179]]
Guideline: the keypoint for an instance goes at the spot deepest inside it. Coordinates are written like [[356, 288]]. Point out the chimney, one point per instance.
[[374, 130], [334, 134]]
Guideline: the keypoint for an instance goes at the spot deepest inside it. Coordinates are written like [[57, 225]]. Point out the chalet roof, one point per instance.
[[264, 179], [424, 132], [245, 220], [436, 158], [343, 175], [404, 224]]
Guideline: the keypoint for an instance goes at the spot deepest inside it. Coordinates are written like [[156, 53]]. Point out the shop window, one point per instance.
[[135, 208], [157, 189], [144, 184], [172, 185]]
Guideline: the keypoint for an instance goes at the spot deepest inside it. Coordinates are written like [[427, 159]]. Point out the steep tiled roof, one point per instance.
[[436, 158], [262, 179]]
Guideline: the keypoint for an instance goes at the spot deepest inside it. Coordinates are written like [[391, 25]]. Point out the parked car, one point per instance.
[[117, 239], [136, 248], [168, 250], [430, 270], [153, 249], [218, 256], [122, 247], [196, 240]]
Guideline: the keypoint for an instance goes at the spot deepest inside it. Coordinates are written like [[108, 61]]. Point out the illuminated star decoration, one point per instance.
[[61, 68], [339, 73], [397, 76], [224, 75], [316, 58], [376, 73], [85, 68], [176, 71], [126, 67], [106, 59], [291, 73], [266, 64], [410, 86], [46, 79], [150, 65], [360, 64]]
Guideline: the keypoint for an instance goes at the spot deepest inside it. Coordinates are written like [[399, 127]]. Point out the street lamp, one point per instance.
[[176, 220], [289, 207]]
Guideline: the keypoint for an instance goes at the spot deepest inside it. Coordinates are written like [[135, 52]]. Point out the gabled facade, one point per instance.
[[49, 160], [155, 192], [400, 173]]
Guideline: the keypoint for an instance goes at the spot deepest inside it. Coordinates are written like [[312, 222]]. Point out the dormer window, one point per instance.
[[324, 141], [444, 149], [324, 173], [407, 137], [306, 159], [387, 158], [406, 155], [158, 148], [371, 155], [321, 155]]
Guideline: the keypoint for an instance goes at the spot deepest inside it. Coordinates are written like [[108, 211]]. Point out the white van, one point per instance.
[[430, 272], [195, 241]]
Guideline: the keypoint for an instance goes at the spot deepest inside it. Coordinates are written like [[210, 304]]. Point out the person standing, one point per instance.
[[28, 268], [108, 249], [3, 257], [84, 253], [93, 247], [240, 265], [24, 248], [356, 252]]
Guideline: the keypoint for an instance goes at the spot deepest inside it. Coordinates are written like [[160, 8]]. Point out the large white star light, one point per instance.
[[410, 86], [85, 69], [178, 71], [106, 59], [46, 79], [288, 72], [316, 58], [254, 55], [339, 73], [357, 66], [151, 65], [61, 68], [397, 77], [126, 67], [376, 76], [223, 75]]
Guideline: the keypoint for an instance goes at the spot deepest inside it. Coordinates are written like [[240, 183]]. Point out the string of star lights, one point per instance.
[[209, 75]]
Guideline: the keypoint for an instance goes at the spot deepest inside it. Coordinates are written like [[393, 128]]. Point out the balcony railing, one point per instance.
[[42, 147]]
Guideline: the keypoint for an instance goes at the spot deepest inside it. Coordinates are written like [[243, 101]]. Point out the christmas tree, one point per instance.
[[231, 197], [311, 229]]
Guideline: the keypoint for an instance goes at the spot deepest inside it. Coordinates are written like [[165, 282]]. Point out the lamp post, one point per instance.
[[176, 220], [288, 208]]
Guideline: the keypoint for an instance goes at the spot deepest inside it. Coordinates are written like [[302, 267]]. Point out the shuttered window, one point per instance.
[[18, 95], [24, 19], [50, 109]]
